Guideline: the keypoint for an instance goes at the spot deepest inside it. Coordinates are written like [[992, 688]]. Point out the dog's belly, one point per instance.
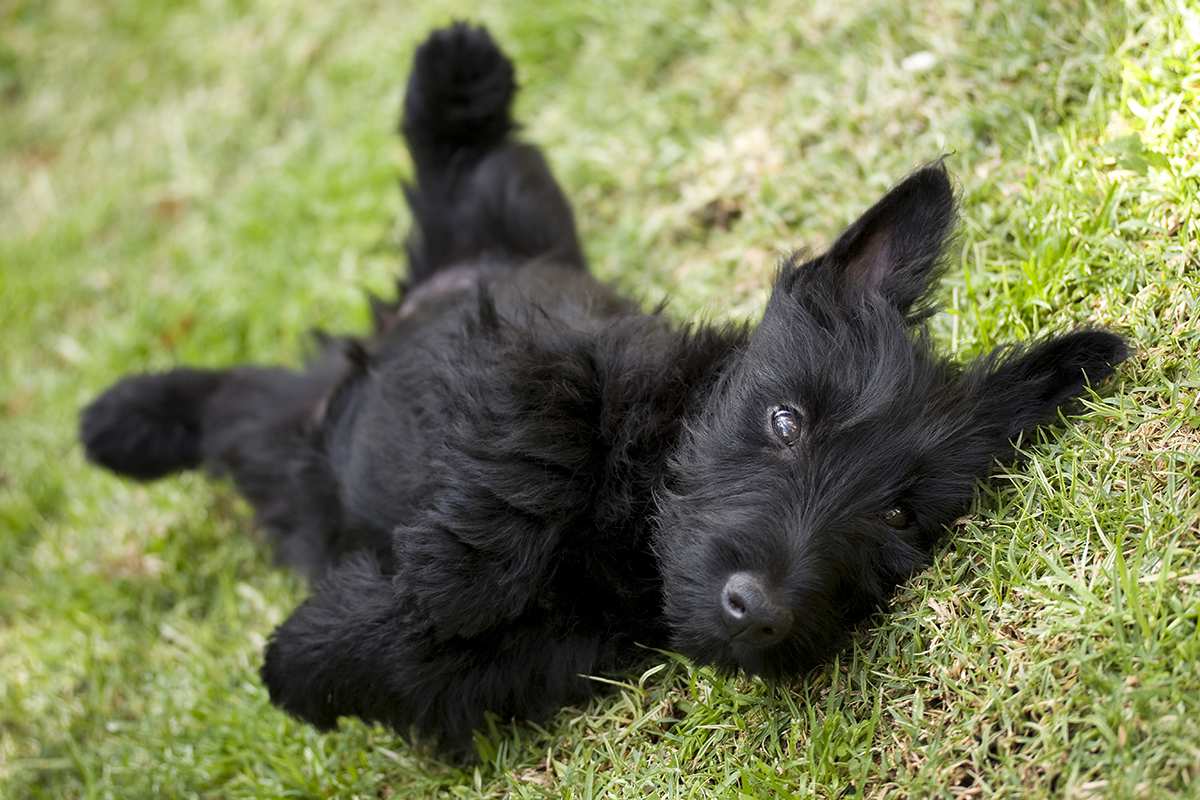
[[434, 383], [460, 426], [445, 286], [555, 289]]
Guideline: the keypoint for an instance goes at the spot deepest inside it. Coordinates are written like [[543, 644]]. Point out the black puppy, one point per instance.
[[520, 474]]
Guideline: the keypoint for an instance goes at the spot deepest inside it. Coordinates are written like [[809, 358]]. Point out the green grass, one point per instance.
[[201, 181]]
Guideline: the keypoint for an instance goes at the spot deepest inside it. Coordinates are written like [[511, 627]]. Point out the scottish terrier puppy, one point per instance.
[[519, 474]]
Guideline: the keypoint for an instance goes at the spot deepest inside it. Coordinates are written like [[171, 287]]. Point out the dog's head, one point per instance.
[[838, 445]]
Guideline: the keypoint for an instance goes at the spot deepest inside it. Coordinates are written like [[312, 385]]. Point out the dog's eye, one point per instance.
[[897, 517], [786, 424]]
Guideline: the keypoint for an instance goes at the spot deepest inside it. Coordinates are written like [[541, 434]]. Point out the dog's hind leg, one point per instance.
[[479, 195], [258, 425], [148, 426]]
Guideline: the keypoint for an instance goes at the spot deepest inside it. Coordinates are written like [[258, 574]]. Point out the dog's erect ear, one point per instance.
[[1019, 388], [895, 247]]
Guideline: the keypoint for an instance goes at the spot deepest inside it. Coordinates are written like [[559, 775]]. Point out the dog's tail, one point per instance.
[[478, 194], [149, 426]]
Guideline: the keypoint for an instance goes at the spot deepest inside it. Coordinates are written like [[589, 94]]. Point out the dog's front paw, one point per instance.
[[288, 675]]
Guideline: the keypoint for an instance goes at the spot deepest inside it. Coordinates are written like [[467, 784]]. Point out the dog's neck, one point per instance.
[[649, 377], [652, 378]]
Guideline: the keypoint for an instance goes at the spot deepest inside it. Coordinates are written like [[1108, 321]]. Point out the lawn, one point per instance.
[[203, 181]]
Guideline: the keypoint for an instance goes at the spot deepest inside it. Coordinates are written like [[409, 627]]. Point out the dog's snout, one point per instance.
[[753, 614]]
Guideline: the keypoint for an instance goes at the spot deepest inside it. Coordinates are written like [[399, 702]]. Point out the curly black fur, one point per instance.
[[520, 474]]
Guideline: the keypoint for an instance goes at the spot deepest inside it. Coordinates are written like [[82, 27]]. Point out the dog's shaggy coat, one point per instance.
[[519, 474]]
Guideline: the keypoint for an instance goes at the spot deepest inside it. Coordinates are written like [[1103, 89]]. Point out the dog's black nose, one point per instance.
[[753, 614]]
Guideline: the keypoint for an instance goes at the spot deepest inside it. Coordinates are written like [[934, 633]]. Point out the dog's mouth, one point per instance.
[[751, 660], [730, 655], [707, 640]]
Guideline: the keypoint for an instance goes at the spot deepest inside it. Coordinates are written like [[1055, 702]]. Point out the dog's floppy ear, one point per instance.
[[1019, 388], [894, 248]]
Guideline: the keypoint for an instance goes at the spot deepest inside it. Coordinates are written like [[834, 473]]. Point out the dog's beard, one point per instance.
[[787, 659], [697, 633]]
